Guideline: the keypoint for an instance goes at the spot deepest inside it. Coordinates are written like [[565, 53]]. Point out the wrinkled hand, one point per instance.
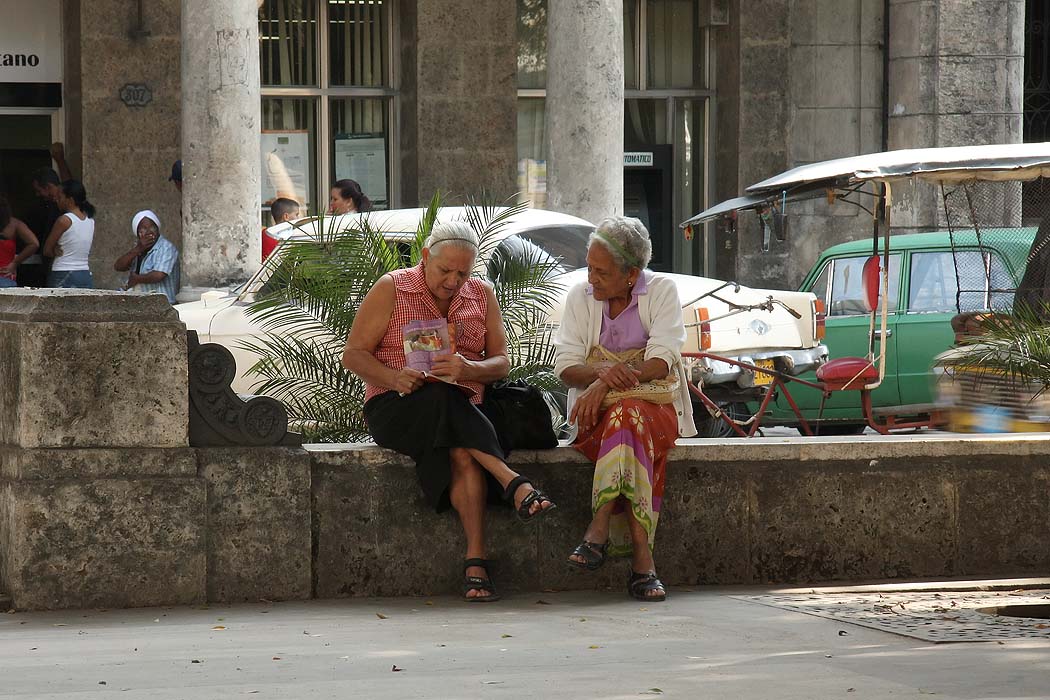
[[619, 376], [408, 380], [588, 407], [449, 367]]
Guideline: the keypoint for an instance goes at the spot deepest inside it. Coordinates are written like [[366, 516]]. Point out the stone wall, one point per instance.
[[123, 153], [464, 109], [799, 81], [956, 78]]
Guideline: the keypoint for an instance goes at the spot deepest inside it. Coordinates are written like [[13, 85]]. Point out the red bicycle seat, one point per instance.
[[847, 373]]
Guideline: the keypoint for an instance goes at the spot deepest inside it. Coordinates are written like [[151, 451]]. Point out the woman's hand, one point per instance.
[[449, 367], [588, 407], [408, 380], [619, 376]]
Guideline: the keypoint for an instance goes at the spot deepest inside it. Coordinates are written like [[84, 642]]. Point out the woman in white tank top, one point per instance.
[[69, 242]]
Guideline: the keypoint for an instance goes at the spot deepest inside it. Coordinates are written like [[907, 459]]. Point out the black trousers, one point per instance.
[[425, 425]]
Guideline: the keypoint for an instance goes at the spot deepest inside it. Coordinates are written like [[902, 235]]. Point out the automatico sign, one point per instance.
[[31, 43]]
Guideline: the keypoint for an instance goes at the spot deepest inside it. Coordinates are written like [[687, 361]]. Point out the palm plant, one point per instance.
[[1012, 349], [316, 285]]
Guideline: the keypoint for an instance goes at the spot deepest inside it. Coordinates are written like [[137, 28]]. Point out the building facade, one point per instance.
[[409, 97]]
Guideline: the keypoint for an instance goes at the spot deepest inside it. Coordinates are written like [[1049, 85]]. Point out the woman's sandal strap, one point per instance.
[[592, 553], [642, 583]]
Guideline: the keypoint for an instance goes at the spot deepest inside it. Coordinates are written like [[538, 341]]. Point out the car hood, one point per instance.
[[731, 333]]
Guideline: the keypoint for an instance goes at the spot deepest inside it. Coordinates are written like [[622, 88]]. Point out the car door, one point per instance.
[[839, 284], [942, 283]]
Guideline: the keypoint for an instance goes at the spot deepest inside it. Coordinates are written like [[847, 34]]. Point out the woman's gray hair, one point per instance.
[[626, 239], [458, 233]]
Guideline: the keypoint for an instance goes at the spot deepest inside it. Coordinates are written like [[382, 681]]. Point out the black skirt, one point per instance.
[[425, 425]]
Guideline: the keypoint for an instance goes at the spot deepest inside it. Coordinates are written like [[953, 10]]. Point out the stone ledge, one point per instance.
[[55, 464], [757, 452], [30, 305]]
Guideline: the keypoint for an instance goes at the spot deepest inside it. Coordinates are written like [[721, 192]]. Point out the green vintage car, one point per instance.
[[925, 282]]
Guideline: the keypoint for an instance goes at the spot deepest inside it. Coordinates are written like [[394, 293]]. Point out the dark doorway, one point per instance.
[[647, 195]]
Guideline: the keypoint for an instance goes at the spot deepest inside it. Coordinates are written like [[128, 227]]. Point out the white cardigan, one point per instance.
[[660, 311]]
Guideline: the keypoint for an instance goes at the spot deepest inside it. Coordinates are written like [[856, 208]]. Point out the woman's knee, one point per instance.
[[462, 461]]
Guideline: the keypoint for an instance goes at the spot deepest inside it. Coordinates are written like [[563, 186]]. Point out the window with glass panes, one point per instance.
[[667, 93], [328, 100]]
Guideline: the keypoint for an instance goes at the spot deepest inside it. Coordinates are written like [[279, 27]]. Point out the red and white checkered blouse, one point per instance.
[[414, 302]]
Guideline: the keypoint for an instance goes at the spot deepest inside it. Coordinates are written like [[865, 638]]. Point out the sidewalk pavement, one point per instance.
[[701, 643]]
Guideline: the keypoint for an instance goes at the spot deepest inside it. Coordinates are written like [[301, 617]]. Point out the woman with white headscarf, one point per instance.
[[153, 262]]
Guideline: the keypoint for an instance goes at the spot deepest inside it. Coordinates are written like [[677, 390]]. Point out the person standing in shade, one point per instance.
[[176, 175], [153, 262], [69, 242], [13, 231], [346, 197], [40, 218]]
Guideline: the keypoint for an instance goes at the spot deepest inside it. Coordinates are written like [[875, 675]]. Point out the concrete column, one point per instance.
[[220, 143], [956, 78], [585, 108]]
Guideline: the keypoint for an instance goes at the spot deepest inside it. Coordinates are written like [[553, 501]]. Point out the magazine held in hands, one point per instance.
[[427, 340]]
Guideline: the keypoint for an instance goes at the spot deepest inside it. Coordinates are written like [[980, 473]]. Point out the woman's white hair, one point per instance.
[[626, 239], [457, 233]]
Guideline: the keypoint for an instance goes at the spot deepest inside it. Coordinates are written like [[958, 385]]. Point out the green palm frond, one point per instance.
[[316, 285]]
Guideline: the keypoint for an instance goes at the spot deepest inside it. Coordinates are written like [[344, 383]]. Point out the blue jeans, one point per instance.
[[5, 282], [71, 279]]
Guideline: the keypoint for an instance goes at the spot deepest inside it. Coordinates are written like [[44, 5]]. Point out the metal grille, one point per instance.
[[940, 616]]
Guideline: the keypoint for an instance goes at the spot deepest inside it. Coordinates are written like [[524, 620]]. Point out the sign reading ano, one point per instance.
[[638, 159], [31, 42]]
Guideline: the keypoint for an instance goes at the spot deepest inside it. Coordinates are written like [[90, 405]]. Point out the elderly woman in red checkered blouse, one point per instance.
[[436, 423]]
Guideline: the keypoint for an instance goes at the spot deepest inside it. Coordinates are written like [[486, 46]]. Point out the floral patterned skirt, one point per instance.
[[629, 448]]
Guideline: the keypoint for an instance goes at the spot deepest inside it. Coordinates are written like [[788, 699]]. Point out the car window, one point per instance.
[[965, 280], [568, 243], [847, 286], [518, 248]]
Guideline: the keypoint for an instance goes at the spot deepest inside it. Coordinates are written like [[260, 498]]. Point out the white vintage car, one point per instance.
[[775, 329]]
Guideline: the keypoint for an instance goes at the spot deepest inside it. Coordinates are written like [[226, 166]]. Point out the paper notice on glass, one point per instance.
[[363, 159], [285, 166]]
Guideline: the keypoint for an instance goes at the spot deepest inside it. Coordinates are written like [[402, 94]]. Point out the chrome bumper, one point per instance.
[[793, 362]]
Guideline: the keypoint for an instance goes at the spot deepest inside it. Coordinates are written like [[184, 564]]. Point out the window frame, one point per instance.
[[829, 268], [987, 253], [324, 93]]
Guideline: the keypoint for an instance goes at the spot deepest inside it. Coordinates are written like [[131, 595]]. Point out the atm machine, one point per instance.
[[647, 184]]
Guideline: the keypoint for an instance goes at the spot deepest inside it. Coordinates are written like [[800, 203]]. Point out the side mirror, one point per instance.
[[871, 281]]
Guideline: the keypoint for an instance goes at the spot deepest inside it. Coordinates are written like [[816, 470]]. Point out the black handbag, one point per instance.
[[520, 415]]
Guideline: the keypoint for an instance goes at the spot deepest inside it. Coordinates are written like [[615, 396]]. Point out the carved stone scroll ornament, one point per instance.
[[221, 418]]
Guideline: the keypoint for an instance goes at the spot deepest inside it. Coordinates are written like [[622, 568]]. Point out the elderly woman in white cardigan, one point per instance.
[[619, 351]]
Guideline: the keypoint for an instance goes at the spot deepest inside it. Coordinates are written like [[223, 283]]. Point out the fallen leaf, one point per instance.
[[542, 602], [644, 609], [195, 661], [32, 648], [843, 633], [654, 691], [506, 636], [851, 690], [827, 656], [491, 682], [102, 682], [62, 624], [395, 669], [1041, 626], [429, 602], [1001, 642], [594, 646], [381, 616], [583, 619], [345, 657], [218, 627], [277, 658]]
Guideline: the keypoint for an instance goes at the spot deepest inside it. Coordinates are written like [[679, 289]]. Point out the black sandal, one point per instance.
[[475, 583], [534, 496], [640, 584], [592, 553]]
